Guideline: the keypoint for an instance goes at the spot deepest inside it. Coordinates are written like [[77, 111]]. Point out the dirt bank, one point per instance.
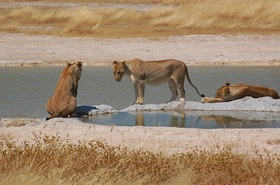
[[19, 49]]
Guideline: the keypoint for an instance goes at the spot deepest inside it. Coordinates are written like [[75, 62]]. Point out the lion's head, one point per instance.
[[118, 70], [74, 69], [223, 91]]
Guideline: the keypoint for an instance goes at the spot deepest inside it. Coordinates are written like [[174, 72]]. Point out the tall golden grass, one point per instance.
[[167, 18], [51, 160]]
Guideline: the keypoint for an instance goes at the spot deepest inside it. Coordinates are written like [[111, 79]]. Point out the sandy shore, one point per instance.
[[19, 49], [155, 139], [25, 50]]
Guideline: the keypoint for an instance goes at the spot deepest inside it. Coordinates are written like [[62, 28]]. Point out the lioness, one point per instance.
[[154, 73], [63, 102], [236, 91]]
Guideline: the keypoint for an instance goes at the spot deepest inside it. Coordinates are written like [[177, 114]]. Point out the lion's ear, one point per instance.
[[68, 64], [227, 83], [115, 62], [80, 64]]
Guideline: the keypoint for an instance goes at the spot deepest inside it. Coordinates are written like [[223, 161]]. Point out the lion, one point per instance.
[[154, 73], [63, 102], [237, 91]]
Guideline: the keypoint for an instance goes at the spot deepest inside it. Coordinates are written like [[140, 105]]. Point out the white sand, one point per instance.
[[18, 49], [155, 139]]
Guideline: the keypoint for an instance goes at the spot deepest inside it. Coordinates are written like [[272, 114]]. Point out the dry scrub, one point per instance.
[[165, 19], [49, 160]]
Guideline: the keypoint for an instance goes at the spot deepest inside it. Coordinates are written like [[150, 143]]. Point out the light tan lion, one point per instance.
[[237, 91], [63, 102], [141, 72]]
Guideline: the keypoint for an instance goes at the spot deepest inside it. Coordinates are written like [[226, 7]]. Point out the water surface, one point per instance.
[[25, 90], [190, 119]]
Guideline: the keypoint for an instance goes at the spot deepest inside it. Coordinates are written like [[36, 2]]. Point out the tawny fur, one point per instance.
[[141, 73], [63, 102], [237, 91]]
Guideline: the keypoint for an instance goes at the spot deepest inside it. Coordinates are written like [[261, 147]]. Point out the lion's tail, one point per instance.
[[52, 116], [189, 80]]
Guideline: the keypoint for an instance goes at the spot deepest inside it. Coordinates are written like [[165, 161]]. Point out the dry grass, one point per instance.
[[7, 137], [17, 122], [167, 18], [274, 141], [105, 1], [53, 161]]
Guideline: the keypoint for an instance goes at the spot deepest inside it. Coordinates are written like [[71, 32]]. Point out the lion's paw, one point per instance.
[[204, 100], [182, 99]]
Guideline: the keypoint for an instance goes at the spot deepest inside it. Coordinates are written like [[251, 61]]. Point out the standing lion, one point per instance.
[[142, 72], [63, 102]]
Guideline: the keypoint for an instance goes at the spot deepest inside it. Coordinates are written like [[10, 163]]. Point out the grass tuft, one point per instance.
[[274, 141]]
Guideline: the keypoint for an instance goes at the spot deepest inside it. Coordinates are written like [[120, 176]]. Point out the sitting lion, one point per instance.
[[237, 91], [141, 72], [63, 102]]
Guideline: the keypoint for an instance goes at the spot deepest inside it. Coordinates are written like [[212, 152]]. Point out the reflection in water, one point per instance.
[[179, 120], [191, 119], [231, 122], [139, 119]]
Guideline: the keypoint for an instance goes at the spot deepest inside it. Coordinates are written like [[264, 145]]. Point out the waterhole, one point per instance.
[[25, 91], [189, 119]]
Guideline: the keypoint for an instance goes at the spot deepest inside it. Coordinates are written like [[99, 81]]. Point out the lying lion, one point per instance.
[[63, 102], [141, 73], [237, 91]]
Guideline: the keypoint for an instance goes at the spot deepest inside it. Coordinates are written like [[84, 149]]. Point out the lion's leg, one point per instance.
[[211, 100], [135, 91], [173, 89], [140, 93], [69, 108], [237, 94], [180, 86], [49, 109]]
